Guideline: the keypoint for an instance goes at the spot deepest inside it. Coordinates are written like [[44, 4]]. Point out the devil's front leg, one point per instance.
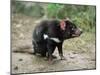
[[60, 51], [50, 49]]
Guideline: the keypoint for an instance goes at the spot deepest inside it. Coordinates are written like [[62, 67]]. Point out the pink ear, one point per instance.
[[62, 25]]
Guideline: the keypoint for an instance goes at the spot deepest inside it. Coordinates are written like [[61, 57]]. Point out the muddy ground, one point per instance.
[[79, 52]]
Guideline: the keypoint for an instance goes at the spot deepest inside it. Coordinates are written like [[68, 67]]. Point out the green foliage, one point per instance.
[[86, 19], [82, 15], [34, 10], [53, 9]]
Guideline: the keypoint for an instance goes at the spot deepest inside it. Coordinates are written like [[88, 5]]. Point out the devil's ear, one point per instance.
[[62, 25]]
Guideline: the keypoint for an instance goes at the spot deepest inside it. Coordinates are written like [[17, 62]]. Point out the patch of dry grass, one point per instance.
[[85, 42]]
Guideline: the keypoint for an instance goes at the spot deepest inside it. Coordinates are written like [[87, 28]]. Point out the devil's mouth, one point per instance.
[[76, 35]]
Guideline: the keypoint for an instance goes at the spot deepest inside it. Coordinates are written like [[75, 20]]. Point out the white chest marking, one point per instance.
[[45, 36], [54, 39]]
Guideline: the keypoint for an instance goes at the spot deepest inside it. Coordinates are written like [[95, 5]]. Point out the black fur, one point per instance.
[[53, 30]]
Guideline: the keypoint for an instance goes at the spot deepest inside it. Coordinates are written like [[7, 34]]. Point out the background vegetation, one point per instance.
[[82, 15]]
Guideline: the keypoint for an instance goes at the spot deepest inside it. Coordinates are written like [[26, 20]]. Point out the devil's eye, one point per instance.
[[72, 28]]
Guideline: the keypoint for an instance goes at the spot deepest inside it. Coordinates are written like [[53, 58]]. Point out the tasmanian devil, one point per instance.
[[50, 34]]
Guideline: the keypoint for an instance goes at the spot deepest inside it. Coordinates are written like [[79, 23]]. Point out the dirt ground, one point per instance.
[[79, 52]]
